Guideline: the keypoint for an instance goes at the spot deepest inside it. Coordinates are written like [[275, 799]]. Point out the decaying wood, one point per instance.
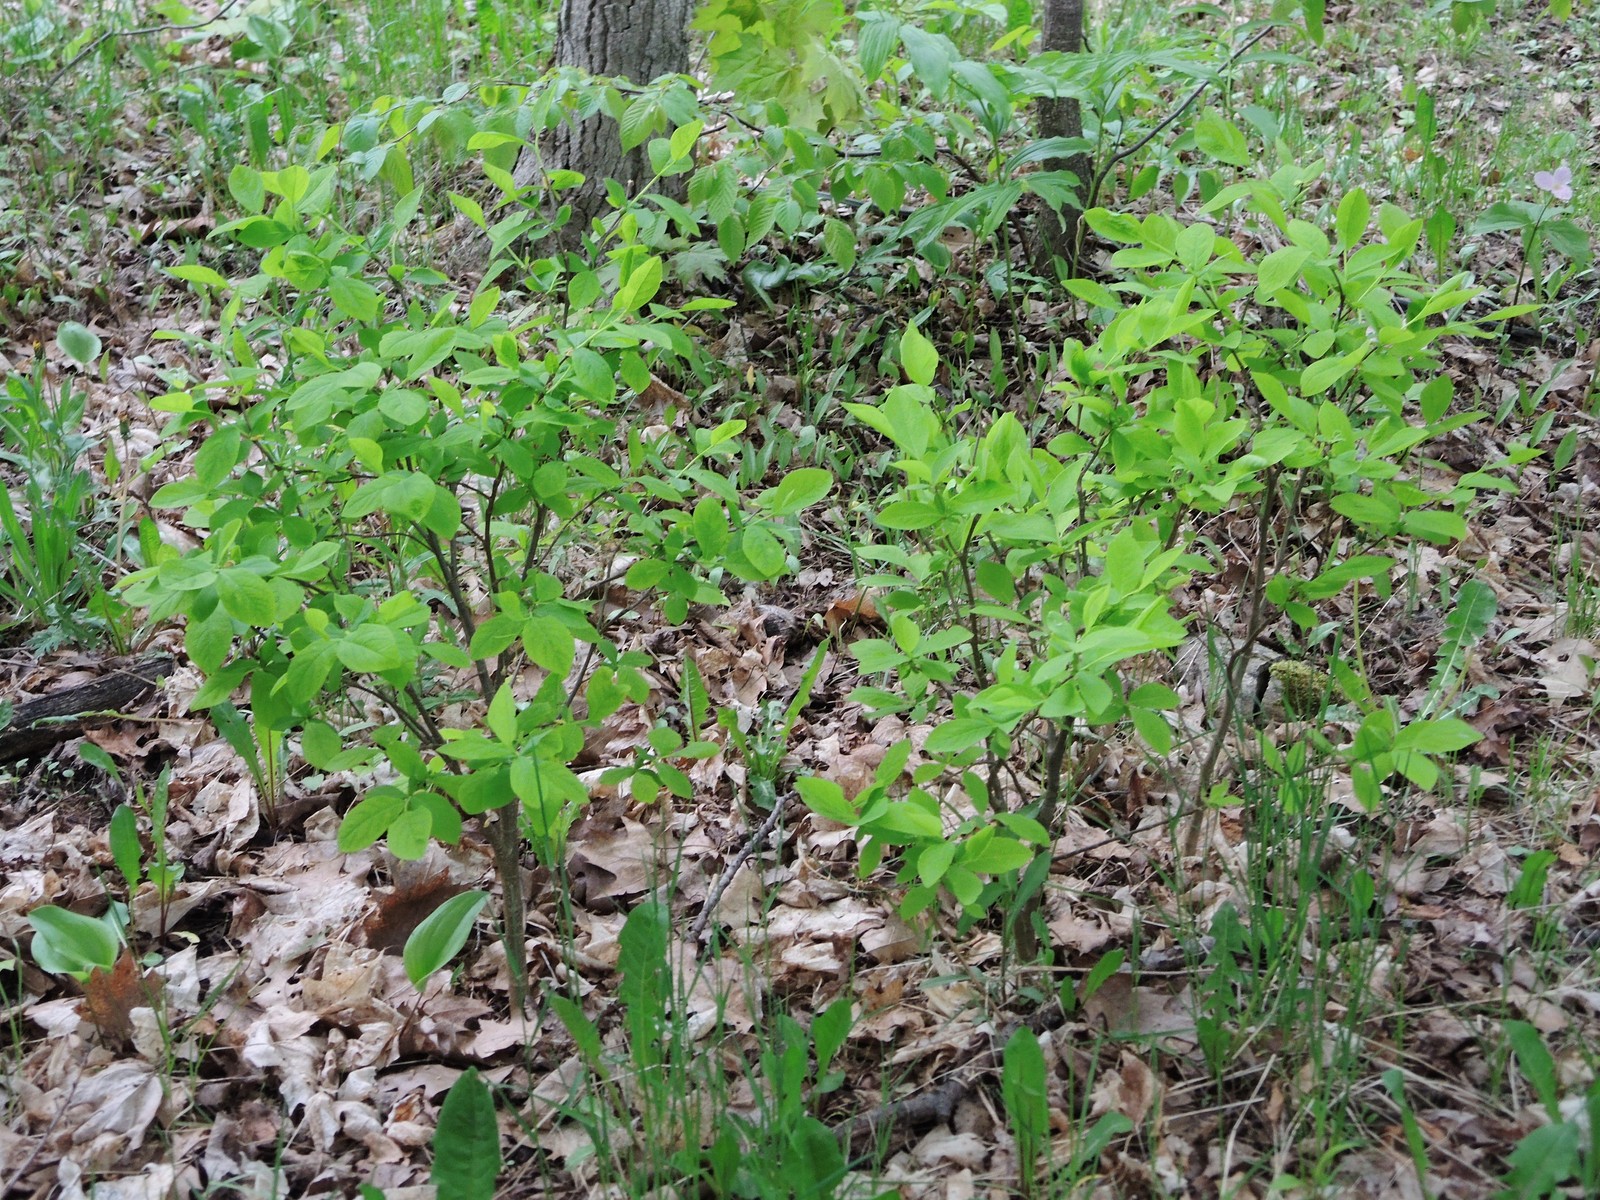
[[39, 724], [937, 1107]]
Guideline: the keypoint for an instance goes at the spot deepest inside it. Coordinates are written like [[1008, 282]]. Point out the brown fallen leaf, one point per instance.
[[851, 612], [109, 997], [403, 908]]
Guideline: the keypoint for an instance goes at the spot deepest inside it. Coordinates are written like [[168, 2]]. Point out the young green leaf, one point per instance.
[[1351, 222], [1528, 891], [840, 242], [441, 935], [125, 852], [646, 987], [96, 757], [918, 356], [829, 1030], [78, 342], [1536, 1063], [583, 1030], [69, 943], [1220, 138], [826, 798], [1442, 736], [799, 490], [1022, 1087]]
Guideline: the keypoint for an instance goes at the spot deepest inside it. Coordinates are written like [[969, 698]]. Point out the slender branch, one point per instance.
[[1168, 121], [535, 532], [756, 841], [140, 32], [1236, 663], [469, 626], [44, 1139], [964, 560], [1023, 936], [505, 833], [1060, 736], [505, 838], [485, 537]]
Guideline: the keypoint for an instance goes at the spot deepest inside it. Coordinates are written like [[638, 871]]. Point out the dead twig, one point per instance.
[[938, 1106], [757, 840]]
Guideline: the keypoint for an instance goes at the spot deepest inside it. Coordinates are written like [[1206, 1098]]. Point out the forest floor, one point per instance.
[[266, 1040]]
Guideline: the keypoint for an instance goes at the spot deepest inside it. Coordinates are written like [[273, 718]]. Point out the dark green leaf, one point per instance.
[[466, 1142], [125, 849]]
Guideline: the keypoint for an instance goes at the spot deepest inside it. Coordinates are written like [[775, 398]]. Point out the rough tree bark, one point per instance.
[[637, 40], [1062, 31]]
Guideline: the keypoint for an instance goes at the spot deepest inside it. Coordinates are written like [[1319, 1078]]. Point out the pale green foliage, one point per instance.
[[402, 492], [301, 590], [1040, 569], [783, 53], [440, 935]]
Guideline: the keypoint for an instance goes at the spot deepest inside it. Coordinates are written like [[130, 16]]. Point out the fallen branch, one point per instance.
[[938, 1106], [732, 869], [39, 724]]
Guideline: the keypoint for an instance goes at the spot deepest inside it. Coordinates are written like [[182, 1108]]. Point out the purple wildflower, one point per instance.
[[1558, 182]]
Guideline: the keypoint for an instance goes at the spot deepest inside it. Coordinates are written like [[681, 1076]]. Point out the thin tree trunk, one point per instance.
[[637, 40], [1058, 236]]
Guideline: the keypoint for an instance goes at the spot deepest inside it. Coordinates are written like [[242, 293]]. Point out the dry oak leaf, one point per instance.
[[1568, 669], [851, 612], [1131, 1089], [109, 997]]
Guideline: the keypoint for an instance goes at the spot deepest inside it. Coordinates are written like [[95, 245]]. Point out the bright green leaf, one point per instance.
[[440, 935]]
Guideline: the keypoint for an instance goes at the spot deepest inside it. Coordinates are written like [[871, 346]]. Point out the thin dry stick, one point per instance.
[[1233, 1135], [728, 872], [1024, 938], [140, 32]]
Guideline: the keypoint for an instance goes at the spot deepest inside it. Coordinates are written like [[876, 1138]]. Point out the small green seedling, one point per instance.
[[126, 850], [1022, 1086], [1565, 1150], [1074, 997]]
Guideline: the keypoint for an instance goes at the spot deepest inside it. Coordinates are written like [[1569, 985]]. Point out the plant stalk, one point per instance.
[[505, 837]]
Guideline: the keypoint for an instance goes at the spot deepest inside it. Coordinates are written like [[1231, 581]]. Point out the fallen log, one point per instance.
[[37, 725]]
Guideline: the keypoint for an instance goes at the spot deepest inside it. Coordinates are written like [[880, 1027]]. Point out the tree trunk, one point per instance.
[[637, 40], [1058, 236]]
